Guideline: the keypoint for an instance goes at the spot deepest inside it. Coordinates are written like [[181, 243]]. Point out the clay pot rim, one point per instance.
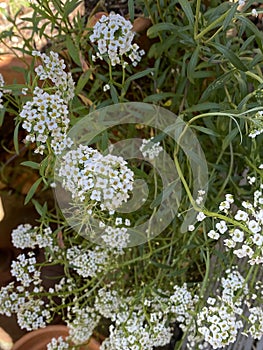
[[57, 329]]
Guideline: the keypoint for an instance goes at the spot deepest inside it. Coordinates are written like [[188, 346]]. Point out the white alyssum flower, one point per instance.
[[200, 198], [53, 69], [116, 238], [219, 322], [83, 321], [96, 179], [46, 118], [150, 149], [221, 226], [89, 262], [255, 321], [58, 344], [113, 35], [2, 90], [25, 236], [24, 269], [256, 125], [200, 216], [213, 234], [33, 314]]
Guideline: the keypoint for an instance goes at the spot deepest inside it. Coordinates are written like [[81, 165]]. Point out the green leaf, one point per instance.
[[114, 94], [158, 97], [2, 115], [69, 6], [31, 164], [153, 31], [185, 4], [205, 130], [73, 50], [192, 64], [137, 76], [202, 107], [15, 138], [32, 191], [230, 16], [215, 85], [131, 9], [231, 56], [41, 210], [229, 138], [84, 78]]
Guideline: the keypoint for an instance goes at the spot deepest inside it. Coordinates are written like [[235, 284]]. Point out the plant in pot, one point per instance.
[[154, 161]]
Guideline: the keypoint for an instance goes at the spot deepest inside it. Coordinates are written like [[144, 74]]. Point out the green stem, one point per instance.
[[197, 14], [212, 25]]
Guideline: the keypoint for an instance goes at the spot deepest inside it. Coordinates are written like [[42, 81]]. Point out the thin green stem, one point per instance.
[[197, 15]]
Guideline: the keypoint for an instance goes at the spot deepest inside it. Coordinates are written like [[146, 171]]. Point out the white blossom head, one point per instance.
[[113, 35]]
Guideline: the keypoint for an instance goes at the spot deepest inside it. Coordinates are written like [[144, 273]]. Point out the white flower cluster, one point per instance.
[[82, 324], [54, 70], [93, 178], [200, 198], [248, 239], [257, 128], [33, 314], [87, 263], [24, 269], [219, 322], [46, 116], [58, 344], [255, 320], [182, 305], [148, 324], [116, 238], [107, 302], [25, 236], [150, 149], [2, 91], [113, 35], [133, 332]]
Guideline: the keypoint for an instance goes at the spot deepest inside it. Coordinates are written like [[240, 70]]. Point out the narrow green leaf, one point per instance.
[[131, 9], [205, 130], [230, 16], [32, 191], [153, 31], [231, 56], [31, 164], [84, 78], [185, 4], [2, 115], [141, 74], [73, 50], [114, 94], [203, 107], [216, 84], [192, 64], [69, 6], [15, 138], [229, 138], [158, 97], [38, 207], [137, 76]]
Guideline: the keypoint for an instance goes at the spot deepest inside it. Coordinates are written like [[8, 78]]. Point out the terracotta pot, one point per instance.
[[38, 339], [8, 64], [6, 342]]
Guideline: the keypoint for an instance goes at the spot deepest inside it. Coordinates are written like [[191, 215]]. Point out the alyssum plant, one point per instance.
[[212, 79]]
